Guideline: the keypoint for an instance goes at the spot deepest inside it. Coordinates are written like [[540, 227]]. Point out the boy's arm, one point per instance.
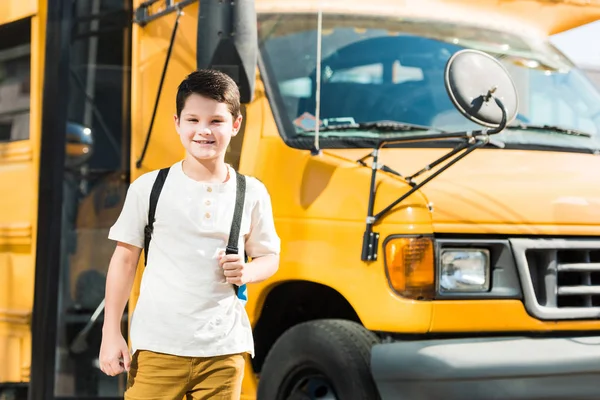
[[262, 245], [262, 268], [119, 281], [239, 273], [114, 353], [128, 232]]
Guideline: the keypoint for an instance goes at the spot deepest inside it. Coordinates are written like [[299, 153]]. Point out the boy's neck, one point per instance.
[[214, 171]]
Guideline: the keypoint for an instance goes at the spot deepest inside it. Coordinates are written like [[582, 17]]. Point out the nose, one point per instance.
[[205, 131]]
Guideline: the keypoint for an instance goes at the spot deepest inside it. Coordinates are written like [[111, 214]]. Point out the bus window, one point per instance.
[[14, 80]]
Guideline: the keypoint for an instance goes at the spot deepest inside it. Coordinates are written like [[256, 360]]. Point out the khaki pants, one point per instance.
[[156, 376]]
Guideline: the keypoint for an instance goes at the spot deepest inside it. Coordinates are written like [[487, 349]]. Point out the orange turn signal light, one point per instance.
[[409, 264]]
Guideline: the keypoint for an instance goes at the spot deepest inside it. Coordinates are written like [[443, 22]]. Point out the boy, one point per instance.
[[189, 330]]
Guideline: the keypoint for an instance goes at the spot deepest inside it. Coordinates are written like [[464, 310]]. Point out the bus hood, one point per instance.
[[509, 191]]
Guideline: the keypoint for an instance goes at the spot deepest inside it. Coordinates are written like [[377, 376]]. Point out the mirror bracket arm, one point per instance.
[[503, 122], [370, 238], [143, 15], [472, 141]]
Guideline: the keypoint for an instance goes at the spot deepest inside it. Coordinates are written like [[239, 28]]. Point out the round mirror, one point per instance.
[[80, 144], [473, 79]]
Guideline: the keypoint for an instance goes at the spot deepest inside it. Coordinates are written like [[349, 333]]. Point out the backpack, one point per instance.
[[240, 291]]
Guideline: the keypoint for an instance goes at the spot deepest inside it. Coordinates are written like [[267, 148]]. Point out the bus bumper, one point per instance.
[[488, 368]]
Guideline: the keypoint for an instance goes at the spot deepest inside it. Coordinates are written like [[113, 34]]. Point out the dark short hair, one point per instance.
[[212, 84]]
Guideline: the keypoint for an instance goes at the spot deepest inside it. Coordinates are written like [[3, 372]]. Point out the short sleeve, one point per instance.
[[262, 239], [129, 227]]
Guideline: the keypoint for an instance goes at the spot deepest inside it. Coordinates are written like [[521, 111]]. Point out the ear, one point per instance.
[[176, 121], [237, 124]]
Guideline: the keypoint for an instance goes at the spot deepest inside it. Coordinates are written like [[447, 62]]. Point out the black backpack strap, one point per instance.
[[236, 223], [154, 195]]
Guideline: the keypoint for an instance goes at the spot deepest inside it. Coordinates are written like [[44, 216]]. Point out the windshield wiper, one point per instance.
[[551, 128], [379, 126]]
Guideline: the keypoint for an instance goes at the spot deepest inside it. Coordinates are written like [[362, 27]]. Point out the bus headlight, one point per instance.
[[464, 270]]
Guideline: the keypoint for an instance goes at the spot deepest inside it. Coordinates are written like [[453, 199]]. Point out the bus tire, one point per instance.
[[320, 359]]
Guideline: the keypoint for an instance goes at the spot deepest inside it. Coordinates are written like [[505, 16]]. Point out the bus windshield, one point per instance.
[[392, 69]]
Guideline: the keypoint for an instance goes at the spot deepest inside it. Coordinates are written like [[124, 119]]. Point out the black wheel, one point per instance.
[[320, 360]]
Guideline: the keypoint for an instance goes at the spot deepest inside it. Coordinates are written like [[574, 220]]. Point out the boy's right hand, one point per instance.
[[114, 354]]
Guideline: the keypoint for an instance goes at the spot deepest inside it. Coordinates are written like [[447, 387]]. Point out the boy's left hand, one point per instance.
[[236, 271]]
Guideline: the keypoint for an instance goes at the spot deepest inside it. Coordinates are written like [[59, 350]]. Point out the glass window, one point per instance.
[[95, 182], [15, 81], [385, 68]]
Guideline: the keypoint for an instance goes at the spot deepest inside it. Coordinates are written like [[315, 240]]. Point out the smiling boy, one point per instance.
[[189, 330]]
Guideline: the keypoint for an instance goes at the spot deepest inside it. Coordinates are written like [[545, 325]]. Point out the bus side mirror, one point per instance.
[[80, 145], [227, 41], [473, 79]]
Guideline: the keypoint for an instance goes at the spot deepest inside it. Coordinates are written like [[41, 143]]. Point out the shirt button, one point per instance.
[[207, 202], [207, 215], [209, 189]]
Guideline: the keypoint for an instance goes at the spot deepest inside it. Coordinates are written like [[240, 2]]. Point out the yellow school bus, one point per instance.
[[424, 254]]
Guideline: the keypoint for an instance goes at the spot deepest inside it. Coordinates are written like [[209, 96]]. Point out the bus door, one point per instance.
[[87, 91]]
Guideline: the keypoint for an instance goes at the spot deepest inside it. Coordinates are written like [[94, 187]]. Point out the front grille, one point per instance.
[[560, 277]]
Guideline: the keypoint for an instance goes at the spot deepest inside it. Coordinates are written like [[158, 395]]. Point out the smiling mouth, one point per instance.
[[204, 141]]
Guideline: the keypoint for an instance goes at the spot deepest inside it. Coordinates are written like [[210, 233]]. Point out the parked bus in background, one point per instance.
[[485, 279]]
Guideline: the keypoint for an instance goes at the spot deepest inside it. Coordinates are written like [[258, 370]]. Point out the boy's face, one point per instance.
[[205, 127]]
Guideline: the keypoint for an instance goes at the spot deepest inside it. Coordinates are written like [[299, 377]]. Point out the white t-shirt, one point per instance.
[[185, 306]]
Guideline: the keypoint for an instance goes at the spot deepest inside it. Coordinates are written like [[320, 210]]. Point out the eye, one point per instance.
[[192, 120], [216, 121]]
